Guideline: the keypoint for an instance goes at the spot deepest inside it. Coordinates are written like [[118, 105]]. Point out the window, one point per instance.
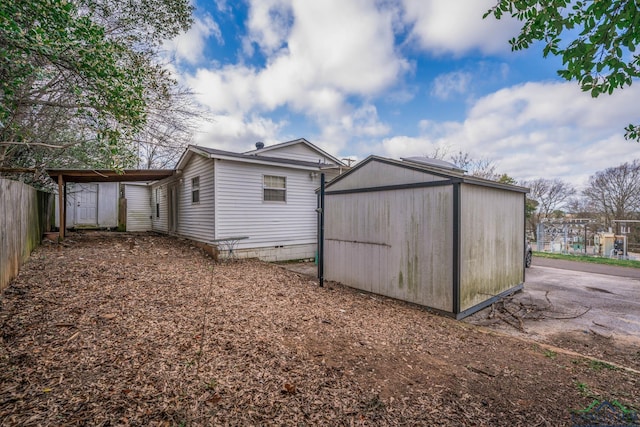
[[195, 190], [157, 205], [274, 188]]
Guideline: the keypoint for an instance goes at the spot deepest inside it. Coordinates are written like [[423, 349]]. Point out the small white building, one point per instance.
[[265, 196], [422, 231], [91, 205]]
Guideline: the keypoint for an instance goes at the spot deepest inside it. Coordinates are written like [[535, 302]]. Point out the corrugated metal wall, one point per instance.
[[492, 243], [241, 211], [138, 207], [395, 243], [197, 220]]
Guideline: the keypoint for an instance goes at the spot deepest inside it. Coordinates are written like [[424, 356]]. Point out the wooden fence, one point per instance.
[[24, 214]]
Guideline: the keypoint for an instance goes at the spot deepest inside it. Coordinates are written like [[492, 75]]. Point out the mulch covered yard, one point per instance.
[[121, 329]]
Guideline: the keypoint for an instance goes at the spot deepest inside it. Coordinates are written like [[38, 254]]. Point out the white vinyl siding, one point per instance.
[[159, 202], [196, 220], [138, 207], [242, 212], [297, 152]]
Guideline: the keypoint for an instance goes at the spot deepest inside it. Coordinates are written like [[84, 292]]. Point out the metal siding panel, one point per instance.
[[242, 212], [377, 174], [196, 220], [492, 245], [138, 207], [394, 243]]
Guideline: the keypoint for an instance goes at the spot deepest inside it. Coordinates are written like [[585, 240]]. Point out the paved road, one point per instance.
[[609, 270], [575, 296]]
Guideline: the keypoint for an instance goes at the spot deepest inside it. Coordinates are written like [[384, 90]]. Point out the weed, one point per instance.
[[211, 385], [550, 354], [583, 388], [598, 365]]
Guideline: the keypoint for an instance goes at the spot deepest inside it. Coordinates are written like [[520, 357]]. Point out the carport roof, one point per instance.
[[103, 175]]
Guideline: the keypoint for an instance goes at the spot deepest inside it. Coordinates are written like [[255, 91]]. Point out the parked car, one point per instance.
[[528, 256]]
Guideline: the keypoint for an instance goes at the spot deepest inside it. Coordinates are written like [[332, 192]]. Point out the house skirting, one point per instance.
[[278, 253]]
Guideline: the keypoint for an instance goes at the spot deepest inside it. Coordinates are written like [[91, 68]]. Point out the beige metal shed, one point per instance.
[[422, 231]]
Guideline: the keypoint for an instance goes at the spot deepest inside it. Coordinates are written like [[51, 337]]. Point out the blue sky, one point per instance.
[[394, 78]]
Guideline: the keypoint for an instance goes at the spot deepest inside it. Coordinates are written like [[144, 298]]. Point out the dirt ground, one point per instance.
[[120, 329]]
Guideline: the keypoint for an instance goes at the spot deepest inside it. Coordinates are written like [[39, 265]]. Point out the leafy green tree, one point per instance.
[[603, 35], [77, 79], [506, 179]]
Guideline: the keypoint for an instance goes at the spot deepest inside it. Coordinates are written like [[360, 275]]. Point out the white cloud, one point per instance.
[[535, 130], [454, 83], [456, 26], [236, 132], [318, 63], [189, 46], [269, 23]]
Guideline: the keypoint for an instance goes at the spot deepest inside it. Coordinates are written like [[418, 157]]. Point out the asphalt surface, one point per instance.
[[609, 270], [573, 296]]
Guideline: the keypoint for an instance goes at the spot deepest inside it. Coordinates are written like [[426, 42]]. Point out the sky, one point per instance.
[[394, 78]]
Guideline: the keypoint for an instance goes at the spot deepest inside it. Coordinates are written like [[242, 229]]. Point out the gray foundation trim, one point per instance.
[[488, 302]]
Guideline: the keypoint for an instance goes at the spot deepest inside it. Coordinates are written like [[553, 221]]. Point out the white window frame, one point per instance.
[[195, 190], [269, 187]]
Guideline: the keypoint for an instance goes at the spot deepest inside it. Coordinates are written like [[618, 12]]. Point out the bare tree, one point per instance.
[[550, 194], [615, 192], [481, 168]]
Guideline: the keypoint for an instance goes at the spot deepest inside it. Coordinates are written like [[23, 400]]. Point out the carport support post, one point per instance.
[[61, 206]]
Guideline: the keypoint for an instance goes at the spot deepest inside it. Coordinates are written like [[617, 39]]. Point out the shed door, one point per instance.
[[87, 204]]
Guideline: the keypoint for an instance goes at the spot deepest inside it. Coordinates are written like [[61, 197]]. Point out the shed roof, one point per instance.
[[293, 142], [254, 157]]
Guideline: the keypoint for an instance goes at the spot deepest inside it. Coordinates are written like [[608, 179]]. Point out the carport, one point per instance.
[[64, 176]]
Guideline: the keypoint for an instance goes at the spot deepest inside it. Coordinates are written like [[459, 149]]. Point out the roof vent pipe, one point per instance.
[[259, 145]]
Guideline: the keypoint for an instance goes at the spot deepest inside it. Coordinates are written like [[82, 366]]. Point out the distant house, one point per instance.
[[266, 195]]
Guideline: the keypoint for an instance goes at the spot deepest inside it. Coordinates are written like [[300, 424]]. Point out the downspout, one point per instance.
[[321, 233], [524, 263]]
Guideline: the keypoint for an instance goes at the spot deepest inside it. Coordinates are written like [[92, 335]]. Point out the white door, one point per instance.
[[86, 204]]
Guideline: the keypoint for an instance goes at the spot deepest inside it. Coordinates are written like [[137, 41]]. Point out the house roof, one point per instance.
[[294, 142], [433, 169], [103, 175], [255, 157]]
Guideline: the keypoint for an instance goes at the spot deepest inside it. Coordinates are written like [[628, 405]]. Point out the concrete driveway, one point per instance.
[[558, 298]]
